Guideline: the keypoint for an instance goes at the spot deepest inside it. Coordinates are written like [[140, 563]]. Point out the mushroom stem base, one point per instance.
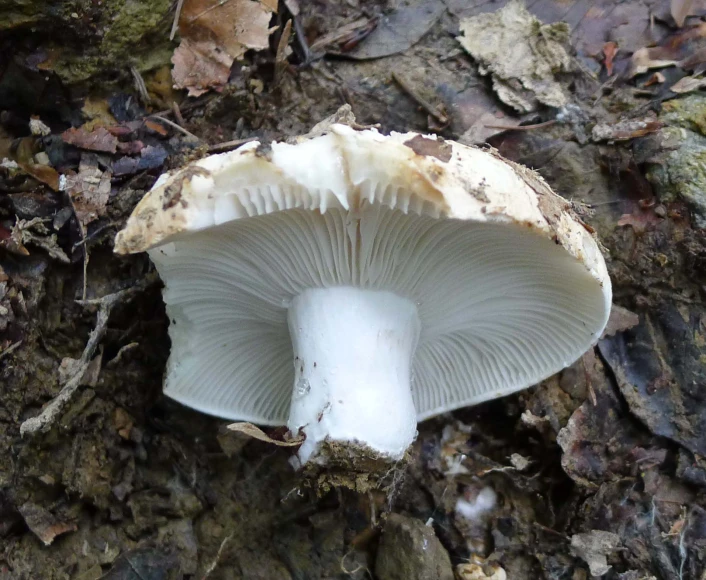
[[353, 352]]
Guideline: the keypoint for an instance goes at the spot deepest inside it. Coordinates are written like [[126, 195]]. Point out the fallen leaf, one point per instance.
[[610, 49], [213, 35], [89, 190], [43, 173], [620, 320], [653, 57], [151, 157], [123, 423], [655, 79], [521, 54], [640, 220], [256, 433], [680, 9], [688, 85], [99, 139], [43, 524], [398, 31], [593, 548], [625, 129], [685, 49]]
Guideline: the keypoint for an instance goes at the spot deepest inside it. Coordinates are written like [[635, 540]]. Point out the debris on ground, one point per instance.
[[409, 550], [213, 36], [43, 524], [522, 55], [593, 548], [399, 30], [116, 481]]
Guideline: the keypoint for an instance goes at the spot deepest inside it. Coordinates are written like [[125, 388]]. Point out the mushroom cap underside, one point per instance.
[[509, 285]]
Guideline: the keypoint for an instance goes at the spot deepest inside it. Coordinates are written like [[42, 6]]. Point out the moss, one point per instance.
[[687, 113], [682, 172], [86, 38]]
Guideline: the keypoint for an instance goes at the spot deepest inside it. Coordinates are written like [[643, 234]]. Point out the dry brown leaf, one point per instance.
[[655, 79], [680, 10], [214, 33], [43, 524], [610, 49], [99, 139], [256, 433], [688, 85], [640, 220], [620, 320], [625, 129], [653, 57], [89, 190]]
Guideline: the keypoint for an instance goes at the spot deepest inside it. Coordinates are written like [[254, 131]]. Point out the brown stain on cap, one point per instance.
[[426, 147]]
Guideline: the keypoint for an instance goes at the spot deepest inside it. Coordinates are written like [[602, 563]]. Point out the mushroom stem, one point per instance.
[[353, 352]]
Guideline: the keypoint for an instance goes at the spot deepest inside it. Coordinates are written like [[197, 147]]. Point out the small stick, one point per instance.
[[281, 56], [521, 127], [44, 421], [175, 126], [175, 24], [404, 84], [177, 113], [140, 85], [228, 145]]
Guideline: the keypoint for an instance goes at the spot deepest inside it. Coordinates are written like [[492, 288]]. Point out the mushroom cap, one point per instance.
[[510, 286]]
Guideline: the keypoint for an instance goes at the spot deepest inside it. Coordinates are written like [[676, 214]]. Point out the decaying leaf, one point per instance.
[[685, 49], [476, 571], [688, 85], [89, 190], [520, 53], [621, 319], [610, 49], [256, 433], [214, 34], [34, 232], [43, 524], [99, 139], [625, 129], [680, 10], [640, 220], [399, 30], [593, 548]]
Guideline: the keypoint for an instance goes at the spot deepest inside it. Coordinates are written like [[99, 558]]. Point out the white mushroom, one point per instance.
[[354, 284]]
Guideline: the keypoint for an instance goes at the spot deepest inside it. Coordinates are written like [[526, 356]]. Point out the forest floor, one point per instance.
[[597, 471]]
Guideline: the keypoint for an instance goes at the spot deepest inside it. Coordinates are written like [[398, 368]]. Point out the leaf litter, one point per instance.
[[520, 54], [214, 33]]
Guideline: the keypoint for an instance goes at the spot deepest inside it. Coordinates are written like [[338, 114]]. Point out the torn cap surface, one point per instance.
[[509, 286]]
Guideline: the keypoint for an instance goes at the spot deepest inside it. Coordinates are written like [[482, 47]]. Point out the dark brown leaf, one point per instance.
[[99, 139]]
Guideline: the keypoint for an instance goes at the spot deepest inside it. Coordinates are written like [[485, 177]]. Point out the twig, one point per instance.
[[521, 127], [281, 56], [44, 421], [177, 113], [10, 348], [175, 126], [82, 231], [140, 85], [207, 10], [411, 91], [212, 565], [301, 39], [228, 145], [175, 24]]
